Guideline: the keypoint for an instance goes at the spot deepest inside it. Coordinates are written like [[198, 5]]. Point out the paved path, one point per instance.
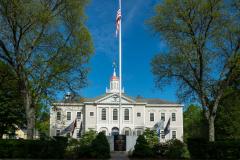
[[119, 156]]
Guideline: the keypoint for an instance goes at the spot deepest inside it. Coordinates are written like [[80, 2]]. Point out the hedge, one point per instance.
[[12, 148], [222, 149]]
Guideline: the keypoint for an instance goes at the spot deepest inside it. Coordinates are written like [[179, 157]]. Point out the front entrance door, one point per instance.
[[119, 142]]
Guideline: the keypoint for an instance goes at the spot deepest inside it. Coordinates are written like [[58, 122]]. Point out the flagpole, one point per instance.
[[120, 66]]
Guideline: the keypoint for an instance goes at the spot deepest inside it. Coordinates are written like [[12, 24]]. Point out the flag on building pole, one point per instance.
[[167, 128], [118, 19], [159, 126], [70, 128]]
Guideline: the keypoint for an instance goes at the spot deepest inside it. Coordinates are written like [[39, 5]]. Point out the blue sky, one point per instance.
[[140, 44]]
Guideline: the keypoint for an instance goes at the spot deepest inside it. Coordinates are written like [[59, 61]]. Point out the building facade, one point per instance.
[[102, 115]]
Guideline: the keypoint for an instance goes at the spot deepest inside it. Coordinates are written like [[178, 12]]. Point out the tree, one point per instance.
[[151, 137], [228, 119], [85, 143], [194, 123], [100, 147], [203, 38], [11, 106], [142, 148], [47, 45]]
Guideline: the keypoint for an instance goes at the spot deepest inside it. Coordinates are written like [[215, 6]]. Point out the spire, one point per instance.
[[114, 81], [114, 69]]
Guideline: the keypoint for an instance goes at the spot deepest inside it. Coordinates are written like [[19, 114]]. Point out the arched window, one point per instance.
[[115, 114], [103, 114], [126, 114]]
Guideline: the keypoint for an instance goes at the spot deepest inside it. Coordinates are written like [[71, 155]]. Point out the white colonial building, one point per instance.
[[102, 114]]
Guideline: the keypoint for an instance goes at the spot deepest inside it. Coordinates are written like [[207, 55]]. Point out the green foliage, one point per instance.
[[100, 147], [202, 40], [88, 137], [172, 149], [176, 149], [194, 123], [11, 107], [47, 45], [42, 120], [142, 148], [71, 151], [228, 119], [151, 137], [85, 143], [202, 149], [53, 148], [93, 145]]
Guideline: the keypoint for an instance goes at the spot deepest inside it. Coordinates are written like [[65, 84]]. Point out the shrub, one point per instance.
[[84, 150], [151, 137], [100, 147], [176, 149], [224, 149], [160, 149], [12, 148], [71, 151], [142, 148], [172, 149]]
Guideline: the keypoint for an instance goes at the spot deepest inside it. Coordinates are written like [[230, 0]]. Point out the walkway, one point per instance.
[[119, 156]]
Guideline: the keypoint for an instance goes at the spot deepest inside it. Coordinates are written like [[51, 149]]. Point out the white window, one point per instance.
[[174, 134], [103, 114], [68, 116], [151, 116], [58, 116], [115, 114], [78, 115], [162, 135], [91, 114], [173, 116], [126, 114], [138, 114], [163, 116], [58, 132]]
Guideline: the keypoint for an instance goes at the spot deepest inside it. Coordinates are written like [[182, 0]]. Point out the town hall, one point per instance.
[[74, 116]]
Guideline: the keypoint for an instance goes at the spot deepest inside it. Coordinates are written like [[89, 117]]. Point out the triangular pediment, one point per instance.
[[114, 98]]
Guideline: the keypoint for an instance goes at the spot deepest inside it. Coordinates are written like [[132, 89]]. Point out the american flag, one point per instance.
[[118, 19], [70, 128]]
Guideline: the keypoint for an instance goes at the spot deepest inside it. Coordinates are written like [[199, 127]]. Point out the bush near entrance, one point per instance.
[[173, 149], [93, 145], [142, 149], [100, 147]]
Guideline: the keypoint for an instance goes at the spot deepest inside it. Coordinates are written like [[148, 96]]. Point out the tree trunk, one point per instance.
[[211, 129], [30, 115]]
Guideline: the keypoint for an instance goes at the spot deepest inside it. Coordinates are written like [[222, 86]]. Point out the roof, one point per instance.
[[154, 101], [78, 99]]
